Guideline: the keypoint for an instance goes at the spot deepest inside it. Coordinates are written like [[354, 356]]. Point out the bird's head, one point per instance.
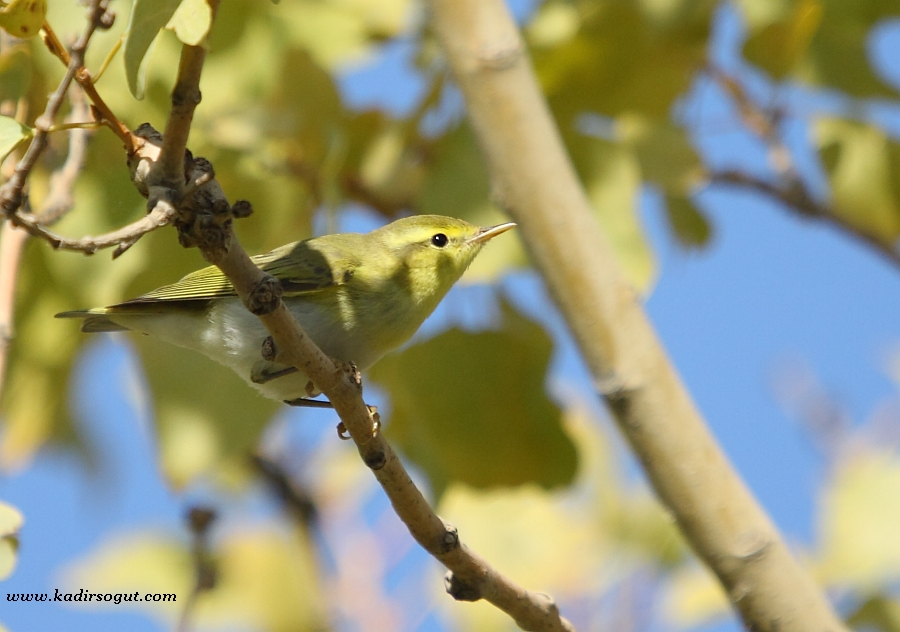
[[435, 250]]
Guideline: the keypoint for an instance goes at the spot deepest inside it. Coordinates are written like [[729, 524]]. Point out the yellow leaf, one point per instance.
[[191, 21], [858, 543], [336, 32], [554, 23], [10, 522], [23, 18]]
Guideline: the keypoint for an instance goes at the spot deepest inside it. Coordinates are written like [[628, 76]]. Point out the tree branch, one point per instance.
[[799, 200], [534, 178], [12, 240], [790, 189], [102, 111], [204, 219], [206, 573], [11, 194]]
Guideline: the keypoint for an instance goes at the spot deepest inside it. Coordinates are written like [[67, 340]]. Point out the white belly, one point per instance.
[[232, 336]]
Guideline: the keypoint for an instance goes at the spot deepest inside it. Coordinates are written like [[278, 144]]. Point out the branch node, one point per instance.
[[461, 590], [106, 20], [241, 209], [752, 545], [200, 519], [353, 375], [269, 351], [343, 435], [501, 54], [375, 459], [122, 248], [184, 94], [265, 297], [450, 539]]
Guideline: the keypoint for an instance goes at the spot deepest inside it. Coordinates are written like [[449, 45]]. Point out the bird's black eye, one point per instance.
[[440, 240]]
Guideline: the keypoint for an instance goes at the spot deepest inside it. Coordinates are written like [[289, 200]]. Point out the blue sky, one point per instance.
[[770, 289]]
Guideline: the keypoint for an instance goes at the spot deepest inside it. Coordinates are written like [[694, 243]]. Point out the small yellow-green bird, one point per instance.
[[357, 296]]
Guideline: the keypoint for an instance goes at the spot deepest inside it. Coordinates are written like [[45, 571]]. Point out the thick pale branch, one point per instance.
[[534, 178]]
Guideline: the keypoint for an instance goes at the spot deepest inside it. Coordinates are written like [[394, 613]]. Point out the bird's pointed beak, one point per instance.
[[486, 234]]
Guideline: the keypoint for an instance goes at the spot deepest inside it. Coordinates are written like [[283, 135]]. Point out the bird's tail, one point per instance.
[[95, 320]]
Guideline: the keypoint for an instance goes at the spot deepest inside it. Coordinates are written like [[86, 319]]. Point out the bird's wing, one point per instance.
[[300, 268]]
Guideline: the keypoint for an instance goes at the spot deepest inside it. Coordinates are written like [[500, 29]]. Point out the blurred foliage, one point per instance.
[[22, 18], [877, 613], [535, 489], [856, 549], [10, 523], [265, 579], [12, 135], [818, 42], [495, 425], [863, 167]]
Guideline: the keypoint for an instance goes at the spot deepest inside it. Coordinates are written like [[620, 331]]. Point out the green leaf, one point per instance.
[[148, 18], [209, 420], [863, 166], [191, 21], [626, 57], [818, 42], [456, 183], [878, 612], [23, 18], [12, 135], [16, 71], [336, 32], [664, 151], [473, 407], [688, 224], [781, 38], [10, 522], [611, 174]]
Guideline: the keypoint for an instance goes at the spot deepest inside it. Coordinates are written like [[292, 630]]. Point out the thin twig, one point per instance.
[[160, 216], [12, 240], [790, 189], [103, 113], [799, 200], [11, 194], [200, 519], [185, 98], [60, 198], [294, 498]]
